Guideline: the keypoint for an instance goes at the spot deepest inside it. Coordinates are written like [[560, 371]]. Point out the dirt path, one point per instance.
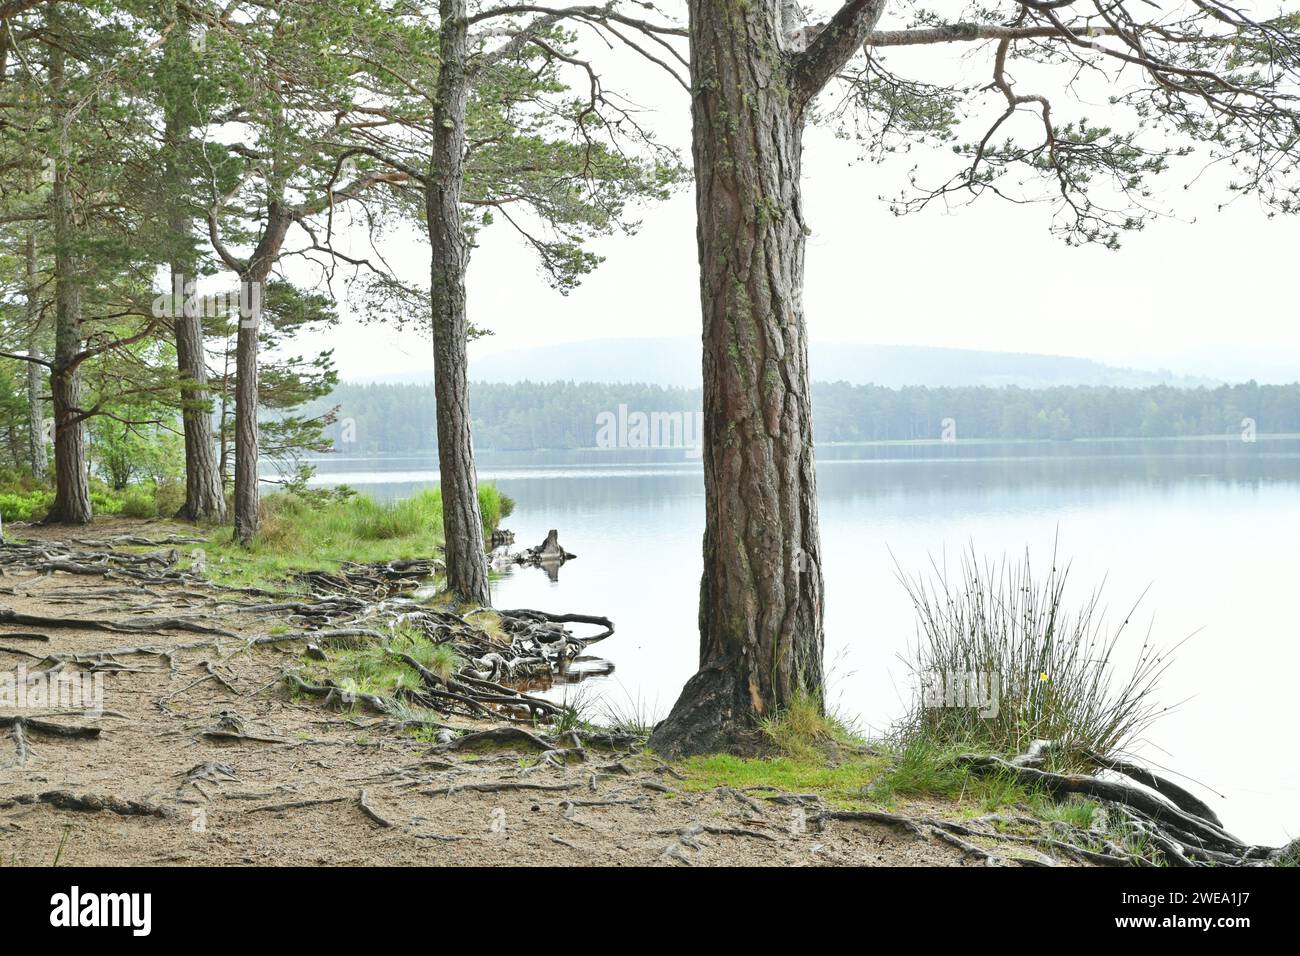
[[224, 768]]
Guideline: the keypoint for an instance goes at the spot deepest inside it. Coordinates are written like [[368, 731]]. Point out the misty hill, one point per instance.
[[676, 362]]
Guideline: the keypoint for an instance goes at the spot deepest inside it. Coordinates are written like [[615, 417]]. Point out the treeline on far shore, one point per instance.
[[399, 418]]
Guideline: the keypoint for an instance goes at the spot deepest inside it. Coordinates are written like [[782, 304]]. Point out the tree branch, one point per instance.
[[832, 47], [959, 32]]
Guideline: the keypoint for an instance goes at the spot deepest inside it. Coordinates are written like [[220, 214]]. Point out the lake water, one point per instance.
[[1211, 527]]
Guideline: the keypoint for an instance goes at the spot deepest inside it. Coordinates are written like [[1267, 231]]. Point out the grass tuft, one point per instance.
[[1029, 668], [805, 731], [369, 668]]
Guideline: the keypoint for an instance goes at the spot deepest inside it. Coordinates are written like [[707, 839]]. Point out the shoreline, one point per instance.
[[208, 716]]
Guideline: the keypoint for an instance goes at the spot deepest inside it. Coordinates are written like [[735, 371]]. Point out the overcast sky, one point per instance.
[[1211, 292]]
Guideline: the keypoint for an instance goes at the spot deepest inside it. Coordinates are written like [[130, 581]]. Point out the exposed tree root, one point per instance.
[[20, 726], [502, 736], [1183, 837], [355, 605], [88, 803], [140, 625], [500, 786], [363, 802], [1171, 791]]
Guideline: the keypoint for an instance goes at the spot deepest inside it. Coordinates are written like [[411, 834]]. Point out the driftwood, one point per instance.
[[518, 619], [548, 551]]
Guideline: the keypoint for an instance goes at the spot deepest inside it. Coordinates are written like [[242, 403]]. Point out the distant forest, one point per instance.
[[388, 418]]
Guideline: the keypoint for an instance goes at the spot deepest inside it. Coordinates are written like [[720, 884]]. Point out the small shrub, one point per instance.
[[19, 480], [169, 496], [25, 505], [139, 502], [104, 500]]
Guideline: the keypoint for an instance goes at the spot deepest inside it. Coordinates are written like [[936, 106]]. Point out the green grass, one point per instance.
[[368, 668], [815, 753], [810, 752], [920, 768], [301, 530], [1077, 811], [844, 784], [321, 531], [805, 731]]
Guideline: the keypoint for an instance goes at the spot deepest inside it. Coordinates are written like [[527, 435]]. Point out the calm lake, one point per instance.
[[1209, 528]]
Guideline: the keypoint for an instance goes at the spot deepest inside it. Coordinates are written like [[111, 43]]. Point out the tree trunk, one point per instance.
[[37, 455], [247, 502], [252, 281], [462, 523], [223, 422], [71, 479], [761, 592], [205, 498]]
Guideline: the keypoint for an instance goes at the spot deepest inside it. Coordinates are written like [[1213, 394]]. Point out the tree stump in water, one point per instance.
[[548, 555]]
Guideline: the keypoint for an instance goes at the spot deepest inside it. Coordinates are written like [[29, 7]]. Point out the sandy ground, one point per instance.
[[289, 791]]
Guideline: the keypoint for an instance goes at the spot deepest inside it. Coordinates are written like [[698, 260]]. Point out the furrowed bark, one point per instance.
[[462, 522], [761, 592], [71, 479]]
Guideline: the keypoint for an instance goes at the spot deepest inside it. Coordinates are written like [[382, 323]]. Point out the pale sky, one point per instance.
[[1209, 293]]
